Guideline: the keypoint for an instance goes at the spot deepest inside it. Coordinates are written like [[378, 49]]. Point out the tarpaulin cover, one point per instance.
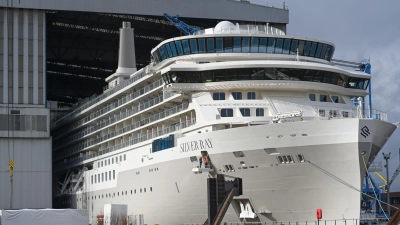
[[45, 217]]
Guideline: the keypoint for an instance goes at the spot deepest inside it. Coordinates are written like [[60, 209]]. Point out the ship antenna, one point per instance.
[[297, 55]]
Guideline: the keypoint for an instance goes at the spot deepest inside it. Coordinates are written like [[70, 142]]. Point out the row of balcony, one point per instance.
[[82, 106], [125, 129], [110, 121], [109, 107], [78, 159]]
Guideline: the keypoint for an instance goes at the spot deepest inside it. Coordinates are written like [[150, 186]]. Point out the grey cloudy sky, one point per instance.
[[360, 29]]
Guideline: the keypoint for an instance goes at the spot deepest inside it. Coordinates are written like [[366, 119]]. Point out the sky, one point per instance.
[[360, 29]]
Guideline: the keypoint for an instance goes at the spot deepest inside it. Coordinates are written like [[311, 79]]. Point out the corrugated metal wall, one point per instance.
[[32, 173]]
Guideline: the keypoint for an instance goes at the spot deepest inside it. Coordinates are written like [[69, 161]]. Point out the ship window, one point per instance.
[[151, 188], [251, 95], [322, 112], [101, 163], [237, 95], [120, 158], [313, 48], [202, 45], [145, 190], [279, 45], [113, 174], [186, 48], [286, 46], [312, 97], [301, 47], [263, 45], [300, 158], [168, 50], [226, 112], [328, 52], [319, 49], [193, 46], [238, 154], [245, 44], [244, 73], [228, 44], [105, 177], [102, 177], [108, 161], [293, 49], [231, 74], [161, 50], [98, 164], [193, 158], [105, 162], [237, 44], [333, 113], [245, 112], [140, 190], [179, 47], [323, 51], [271, 45], [112, 160], [116, 159], [92, 179], [307, 48], [98, 178], [219, 45], [109, 175], [260, 112], [210, 45], [219, 96], [331, 53], [254, 44], [135, 191], [335, 99], [322, 98], [124, 157], [173, 48], [345, 114]]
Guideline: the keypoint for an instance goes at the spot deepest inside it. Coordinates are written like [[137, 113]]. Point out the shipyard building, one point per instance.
[[55, 55]]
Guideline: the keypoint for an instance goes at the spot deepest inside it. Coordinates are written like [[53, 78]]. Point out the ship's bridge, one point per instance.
[[259, 40]]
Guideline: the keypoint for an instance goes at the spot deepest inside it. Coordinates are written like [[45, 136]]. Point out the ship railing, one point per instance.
[[243, 29], [173, 128], [110, 107], [311, 222], [329, 114], [149, 119], [88, 103]]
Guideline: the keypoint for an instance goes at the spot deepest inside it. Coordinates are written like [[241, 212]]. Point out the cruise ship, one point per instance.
[[245, 101]]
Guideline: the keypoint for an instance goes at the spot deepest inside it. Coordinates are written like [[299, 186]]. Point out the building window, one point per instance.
[[251, 95], [245, 112], [322, 98], [312, 97], [113, 174], [322, 112], [335, 99], [260, 112], [226, 112], [237, 95], [219, 96]]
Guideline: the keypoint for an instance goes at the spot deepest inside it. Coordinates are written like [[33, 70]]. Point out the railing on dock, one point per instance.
[[321, 222]]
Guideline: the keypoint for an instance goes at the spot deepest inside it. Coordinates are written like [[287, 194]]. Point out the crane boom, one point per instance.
[[188, 30], [382, 177], [395, 174]]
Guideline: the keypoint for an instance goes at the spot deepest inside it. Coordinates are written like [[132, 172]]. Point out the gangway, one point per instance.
[[188, 30]]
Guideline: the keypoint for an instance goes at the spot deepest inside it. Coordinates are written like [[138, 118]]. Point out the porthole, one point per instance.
[[144, 189], [135, 191], [126, 192], [140, 190], [151, 189], [131, 191], [118, 193], [122, 193]]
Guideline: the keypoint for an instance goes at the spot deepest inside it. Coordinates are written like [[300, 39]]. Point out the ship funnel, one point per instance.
[[126, 56]]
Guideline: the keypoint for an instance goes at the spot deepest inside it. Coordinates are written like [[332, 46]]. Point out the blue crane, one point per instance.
[[188, 30]]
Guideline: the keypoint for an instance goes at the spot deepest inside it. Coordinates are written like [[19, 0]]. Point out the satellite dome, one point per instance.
[[224, 26]]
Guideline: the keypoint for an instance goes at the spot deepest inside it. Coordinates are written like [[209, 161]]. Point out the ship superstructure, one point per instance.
[[246, 101]]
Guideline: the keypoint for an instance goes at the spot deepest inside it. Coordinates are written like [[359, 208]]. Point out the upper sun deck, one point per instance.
[[234, 40]]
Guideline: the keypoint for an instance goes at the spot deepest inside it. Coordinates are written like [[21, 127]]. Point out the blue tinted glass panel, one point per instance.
[[161, 49], [293, 49], [179, 47], [210, 45], [254, 44], [202, 45], [251, 95], [237, 44], [245, 112], [237, 95], [245, 44], [286, 46], [279, 45], [307, 48], [186, 48], [300, 47], [323, 51], [168, 50], [259, 112], [263, 45], [319, 49], [173, 49], [328, 52], [228, 44], [271, 45], [331, 53], [226, 112], [313, 48], [220, 45], [193, 46]]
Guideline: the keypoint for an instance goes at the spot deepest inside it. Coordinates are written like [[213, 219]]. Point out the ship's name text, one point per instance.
[[196, 145]]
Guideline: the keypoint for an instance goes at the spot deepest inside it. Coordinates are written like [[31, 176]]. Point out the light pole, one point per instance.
[[387, 157]]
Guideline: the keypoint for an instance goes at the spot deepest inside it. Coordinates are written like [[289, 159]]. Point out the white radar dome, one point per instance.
[[224, 26]]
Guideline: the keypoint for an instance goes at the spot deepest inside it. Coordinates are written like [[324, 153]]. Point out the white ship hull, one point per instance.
[[277, 192]]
